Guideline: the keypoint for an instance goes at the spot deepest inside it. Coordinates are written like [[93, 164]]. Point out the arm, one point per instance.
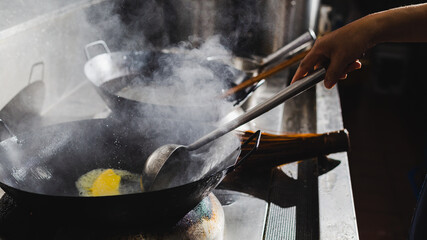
[[340, 50]]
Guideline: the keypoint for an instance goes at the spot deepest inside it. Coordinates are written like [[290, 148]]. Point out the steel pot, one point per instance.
[[118, 75]]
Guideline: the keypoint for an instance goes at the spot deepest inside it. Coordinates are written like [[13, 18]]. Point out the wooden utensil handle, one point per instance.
[[265, 74], [275, 150]]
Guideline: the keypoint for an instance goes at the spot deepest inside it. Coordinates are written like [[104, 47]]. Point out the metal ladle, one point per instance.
[[170, 152]]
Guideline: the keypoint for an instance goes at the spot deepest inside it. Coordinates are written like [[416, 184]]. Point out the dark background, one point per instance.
[[384, 108]]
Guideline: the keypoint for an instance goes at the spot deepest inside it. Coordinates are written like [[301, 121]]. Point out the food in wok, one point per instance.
[[108, 182]]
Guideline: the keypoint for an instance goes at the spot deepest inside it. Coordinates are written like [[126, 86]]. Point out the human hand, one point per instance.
[[338, 51]]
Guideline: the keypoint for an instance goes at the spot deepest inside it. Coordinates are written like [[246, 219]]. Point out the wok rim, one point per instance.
[[99, 82], [154, 192], [222, 172]]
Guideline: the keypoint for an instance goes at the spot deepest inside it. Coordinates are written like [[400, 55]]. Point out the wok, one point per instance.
[[117, 75], [23, 110], [39, 169]]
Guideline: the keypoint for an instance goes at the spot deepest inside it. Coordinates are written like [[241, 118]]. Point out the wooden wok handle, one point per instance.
[[265, 74], [275, 150]]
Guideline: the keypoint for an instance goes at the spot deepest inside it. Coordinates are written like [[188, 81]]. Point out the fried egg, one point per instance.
[[108, 182]]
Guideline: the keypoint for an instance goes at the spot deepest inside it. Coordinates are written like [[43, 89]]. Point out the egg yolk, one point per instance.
[[107, 183]]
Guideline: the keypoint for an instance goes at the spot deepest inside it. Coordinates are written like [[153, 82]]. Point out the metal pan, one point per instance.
[[116, 76], [23, 110], [39, 170]]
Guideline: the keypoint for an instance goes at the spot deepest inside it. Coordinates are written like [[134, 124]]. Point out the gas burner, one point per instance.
[[205, 221]]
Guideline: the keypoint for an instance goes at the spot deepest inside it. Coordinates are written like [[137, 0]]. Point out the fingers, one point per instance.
[[300, 73], [332, 74], [343, 77], [307, 65], [350, 68], [353, 66]]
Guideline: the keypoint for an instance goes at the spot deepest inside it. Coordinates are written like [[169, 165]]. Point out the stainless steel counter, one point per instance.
[[336, 206], [317, 110]]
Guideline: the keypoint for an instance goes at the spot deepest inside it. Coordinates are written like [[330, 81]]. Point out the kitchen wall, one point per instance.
[[56, 38]]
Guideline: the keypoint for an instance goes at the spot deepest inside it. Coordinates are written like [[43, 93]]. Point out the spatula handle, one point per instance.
[[285, 94]]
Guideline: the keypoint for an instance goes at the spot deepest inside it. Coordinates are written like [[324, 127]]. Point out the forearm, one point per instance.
[[341, 49], [404, 24]]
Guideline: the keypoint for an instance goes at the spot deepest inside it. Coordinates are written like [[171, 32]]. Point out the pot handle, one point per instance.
[[99, 42], [249, 92], [35, 65], [239, 161], [299, 43], [5, 131], [276, 150]]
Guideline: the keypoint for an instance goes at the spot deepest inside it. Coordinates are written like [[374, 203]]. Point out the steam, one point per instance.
[[184, 86], [190, 80], [187, 79]]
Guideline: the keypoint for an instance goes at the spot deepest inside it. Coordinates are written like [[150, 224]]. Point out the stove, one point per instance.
[[237, 209], [205, 221], [307, 200], [250, 203]]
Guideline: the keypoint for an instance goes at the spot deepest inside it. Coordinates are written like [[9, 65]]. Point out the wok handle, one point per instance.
[[249, 91], [297, 44], [35, 65], [5, 131], [99, 42], [276, 150], [239, 161]]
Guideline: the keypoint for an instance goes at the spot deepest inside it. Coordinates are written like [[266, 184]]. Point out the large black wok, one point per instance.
[[118, 75], [39, 169]]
